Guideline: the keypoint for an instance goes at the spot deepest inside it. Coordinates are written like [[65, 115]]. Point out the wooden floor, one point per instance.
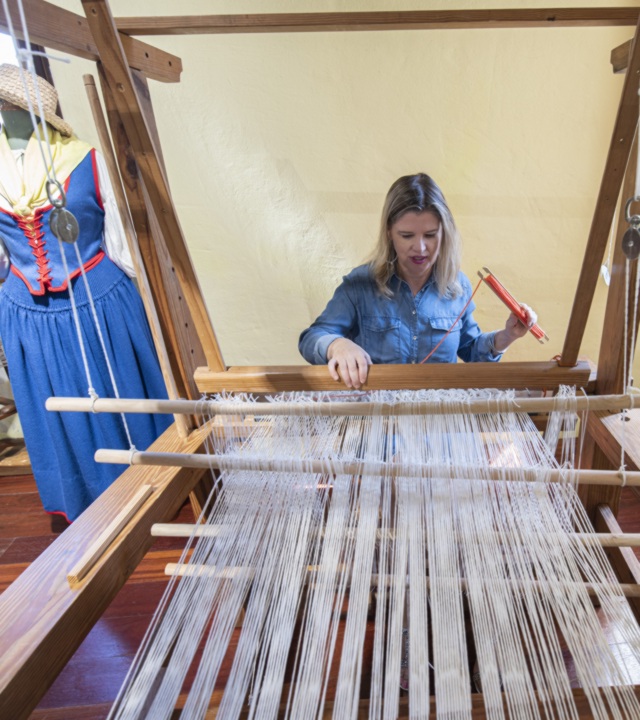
[[90, 682]]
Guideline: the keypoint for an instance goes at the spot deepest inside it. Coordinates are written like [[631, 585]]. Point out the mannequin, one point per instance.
[[37, 325], [17, 125]]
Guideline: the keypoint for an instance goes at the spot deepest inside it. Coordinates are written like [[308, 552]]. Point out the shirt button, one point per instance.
[[415, 337], [414, 312]]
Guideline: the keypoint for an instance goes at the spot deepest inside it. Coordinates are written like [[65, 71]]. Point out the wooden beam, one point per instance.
[[616, 163], [616, 339], [620, 57], [130, 234], [43, 619], [65, 31], [129, 108], [612, 431], [530, 375], [359, 21], [623, 559], [184, 348]]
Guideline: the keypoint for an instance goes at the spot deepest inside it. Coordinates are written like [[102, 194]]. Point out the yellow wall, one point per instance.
[[280, 149]]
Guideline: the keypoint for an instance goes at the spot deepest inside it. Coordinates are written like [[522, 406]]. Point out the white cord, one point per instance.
[[605, 269], [98, 330]]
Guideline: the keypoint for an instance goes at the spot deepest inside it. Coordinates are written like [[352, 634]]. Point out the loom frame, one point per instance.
[[44, 620]]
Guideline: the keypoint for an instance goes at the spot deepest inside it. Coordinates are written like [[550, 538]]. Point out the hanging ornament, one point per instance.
[[62, 222], [631, 238]]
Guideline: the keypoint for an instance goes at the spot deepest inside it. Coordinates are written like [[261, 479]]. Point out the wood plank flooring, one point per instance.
[[89, 683]]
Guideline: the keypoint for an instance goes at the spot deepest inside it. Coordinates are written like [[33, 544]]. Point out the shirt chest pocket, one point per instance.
[[441, 325], [381, 337]]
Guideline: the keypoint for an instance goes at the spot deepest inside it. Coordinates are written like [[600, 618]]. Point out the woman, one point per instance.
[[37, 323], [411, 302]]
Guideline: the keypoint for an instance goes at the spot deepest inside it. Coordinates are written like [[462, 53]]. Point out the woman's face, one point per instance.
[[416, 238]]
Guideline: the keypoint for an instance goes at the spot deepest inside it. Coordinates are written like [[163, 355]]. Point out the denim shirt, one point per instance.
[[400, 329]]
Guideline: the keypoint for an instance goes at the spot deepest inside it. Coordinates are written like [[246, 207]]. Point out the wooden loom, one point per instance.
[[43, 618]]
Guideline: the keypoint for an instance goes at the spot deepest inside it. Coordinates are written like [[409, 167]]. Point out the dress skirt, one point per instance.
[[44, 360]]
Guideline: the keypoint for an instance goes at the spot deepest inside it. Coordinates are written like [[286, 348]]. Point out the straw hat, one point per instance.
[[12, 90]]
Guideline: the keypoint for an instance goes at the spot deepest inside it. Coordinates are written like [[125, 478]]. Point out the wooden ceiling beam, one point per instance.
[[358, 21], [65, 31]]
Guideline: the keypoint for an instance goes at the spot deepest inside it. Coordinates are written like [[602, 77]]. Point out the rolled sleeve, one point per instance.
[[336, 321], [317, 353], [475, 346], [484, 350]]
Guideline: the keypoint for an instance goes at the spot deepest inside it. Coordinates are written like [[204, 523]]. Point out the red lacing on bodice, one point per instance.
[[31, 226]]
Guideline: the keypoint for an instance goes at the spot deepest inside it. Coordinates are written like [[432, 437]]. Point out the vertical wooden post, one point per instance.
[[614, 344], [127, 103], [619, 149], [174, 316], [184, 349], [141, 275]]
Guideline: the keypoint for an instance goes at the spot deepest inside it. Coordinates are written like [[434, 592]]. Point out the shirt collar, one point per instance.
[[396, 282]]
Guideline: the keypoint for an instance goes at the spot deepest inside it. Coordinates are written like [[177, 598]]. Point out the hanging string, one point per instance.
[[634, 325], [605, 269]]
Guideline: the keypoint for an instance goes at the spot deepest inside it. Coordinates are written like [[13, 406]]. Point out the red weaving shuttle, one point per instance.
[[507, 298]]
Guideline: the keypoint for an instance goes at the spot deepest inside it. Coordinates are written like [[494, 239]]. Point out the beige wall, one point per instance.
[[280, 149]]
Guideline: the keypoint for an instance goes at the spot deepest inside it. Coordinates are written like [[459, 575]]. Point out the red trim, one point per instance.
[[31, 226], [59, 512], [87, 266], [41, 291], [96, 180]]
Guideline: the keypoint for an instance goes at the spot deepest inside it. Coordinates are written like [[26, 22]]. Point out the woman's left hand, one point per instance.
[[514, 328]]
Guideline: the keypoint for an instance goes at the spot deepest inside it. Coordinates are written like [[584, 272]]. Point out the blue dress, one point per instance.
[[43, 352]]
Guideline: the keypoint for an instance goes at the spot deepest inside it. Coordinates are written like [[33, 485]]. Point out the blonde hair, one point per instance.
[[417, 193]]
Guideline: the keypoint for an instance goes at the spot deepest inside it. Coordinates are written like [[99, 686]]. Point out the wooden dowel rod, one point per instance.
[[336, 467], [97, 549], [218, 407], [188, 529], [232, 573]]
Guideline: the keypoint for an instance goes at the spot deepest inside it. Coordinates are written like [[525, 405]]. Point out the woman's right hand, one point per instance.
[[349, 362]]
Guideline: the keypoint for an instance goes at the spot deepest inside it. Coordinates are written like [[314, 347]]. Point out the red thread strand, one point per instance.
[[455, 322]]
